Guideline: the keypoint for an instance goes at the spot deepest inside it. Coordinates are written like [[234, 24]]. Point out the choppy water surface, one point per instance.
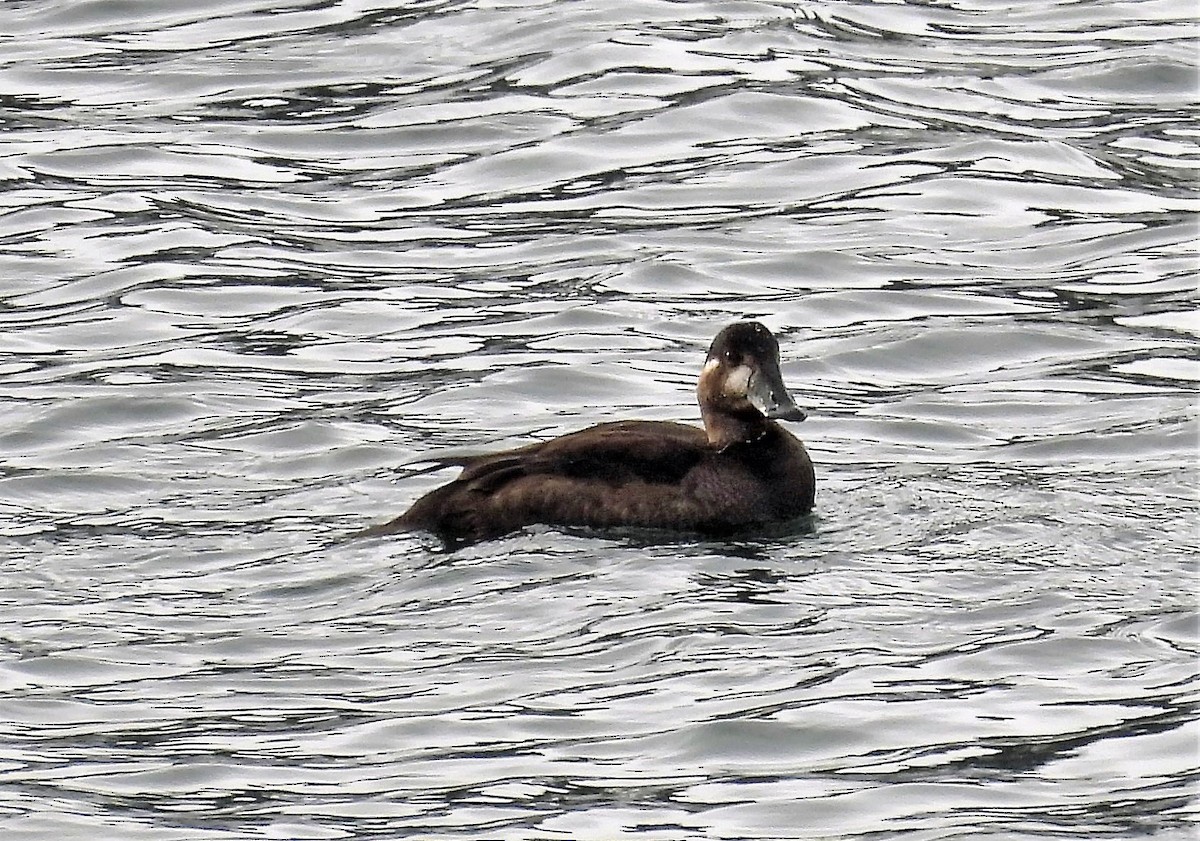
[[257, 259]]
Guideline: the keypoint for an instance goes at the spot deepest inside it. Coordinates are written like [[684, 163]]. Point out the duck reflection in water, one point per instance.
[[742, 471]]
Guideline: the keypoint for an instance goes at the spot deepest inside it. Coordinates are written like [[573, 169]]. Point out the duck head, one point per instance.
[[741, 388]]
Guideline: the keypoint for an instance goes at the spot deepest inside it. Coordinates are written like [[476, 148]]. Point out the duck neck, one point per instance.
[[724, 429]]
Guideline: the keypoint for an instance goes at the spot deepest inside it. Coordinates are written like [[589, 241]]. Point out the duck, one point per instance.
[[742, 471]]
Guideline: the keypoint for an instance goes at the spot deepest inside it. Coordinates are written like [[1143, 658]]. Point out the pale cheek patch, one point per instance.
[[737, 383]]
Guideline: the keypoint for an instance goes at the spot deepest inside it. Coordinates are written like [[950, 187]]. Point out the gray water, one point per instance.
[[259, 259]]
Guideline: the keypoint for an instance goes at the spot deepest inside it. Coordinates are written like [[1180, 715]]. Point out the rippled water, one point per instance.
[[259, 259]]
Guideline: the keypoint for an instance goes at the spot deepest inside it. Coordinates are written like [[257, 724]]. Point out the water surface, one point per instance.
[[260, 260]]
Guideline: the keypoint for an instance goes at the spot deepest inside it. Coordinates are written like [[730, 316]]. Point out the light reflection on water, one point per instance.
[[259, 261]]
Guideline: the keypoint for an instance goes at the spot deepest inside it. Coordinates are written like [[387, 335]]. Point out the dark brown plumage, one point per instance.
[[742, 470]]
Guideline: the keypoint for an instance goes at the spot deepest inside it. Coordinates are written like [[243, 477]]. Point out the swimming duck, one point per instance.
[[742, 470]]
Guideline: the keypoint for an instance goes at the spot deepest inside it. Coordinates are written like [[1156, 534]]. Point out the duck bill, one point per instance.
[[769, 395]]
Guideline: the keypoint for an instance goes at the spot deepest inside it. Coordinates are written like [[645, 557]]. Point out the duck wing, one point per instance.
[[658, 452], [575, 479]]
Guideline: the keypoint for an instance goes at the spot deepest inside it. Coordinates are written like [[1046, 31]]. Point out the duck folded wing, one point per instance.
[[646, 451]]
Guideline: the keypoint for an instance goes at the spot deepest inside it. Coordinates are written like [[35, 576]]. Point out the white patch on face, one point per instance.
[[710, 366], [737, 381]]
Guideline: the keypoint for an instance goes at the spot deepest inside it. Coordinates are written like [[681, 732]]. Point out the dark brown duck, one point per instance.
[[742, 470]]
